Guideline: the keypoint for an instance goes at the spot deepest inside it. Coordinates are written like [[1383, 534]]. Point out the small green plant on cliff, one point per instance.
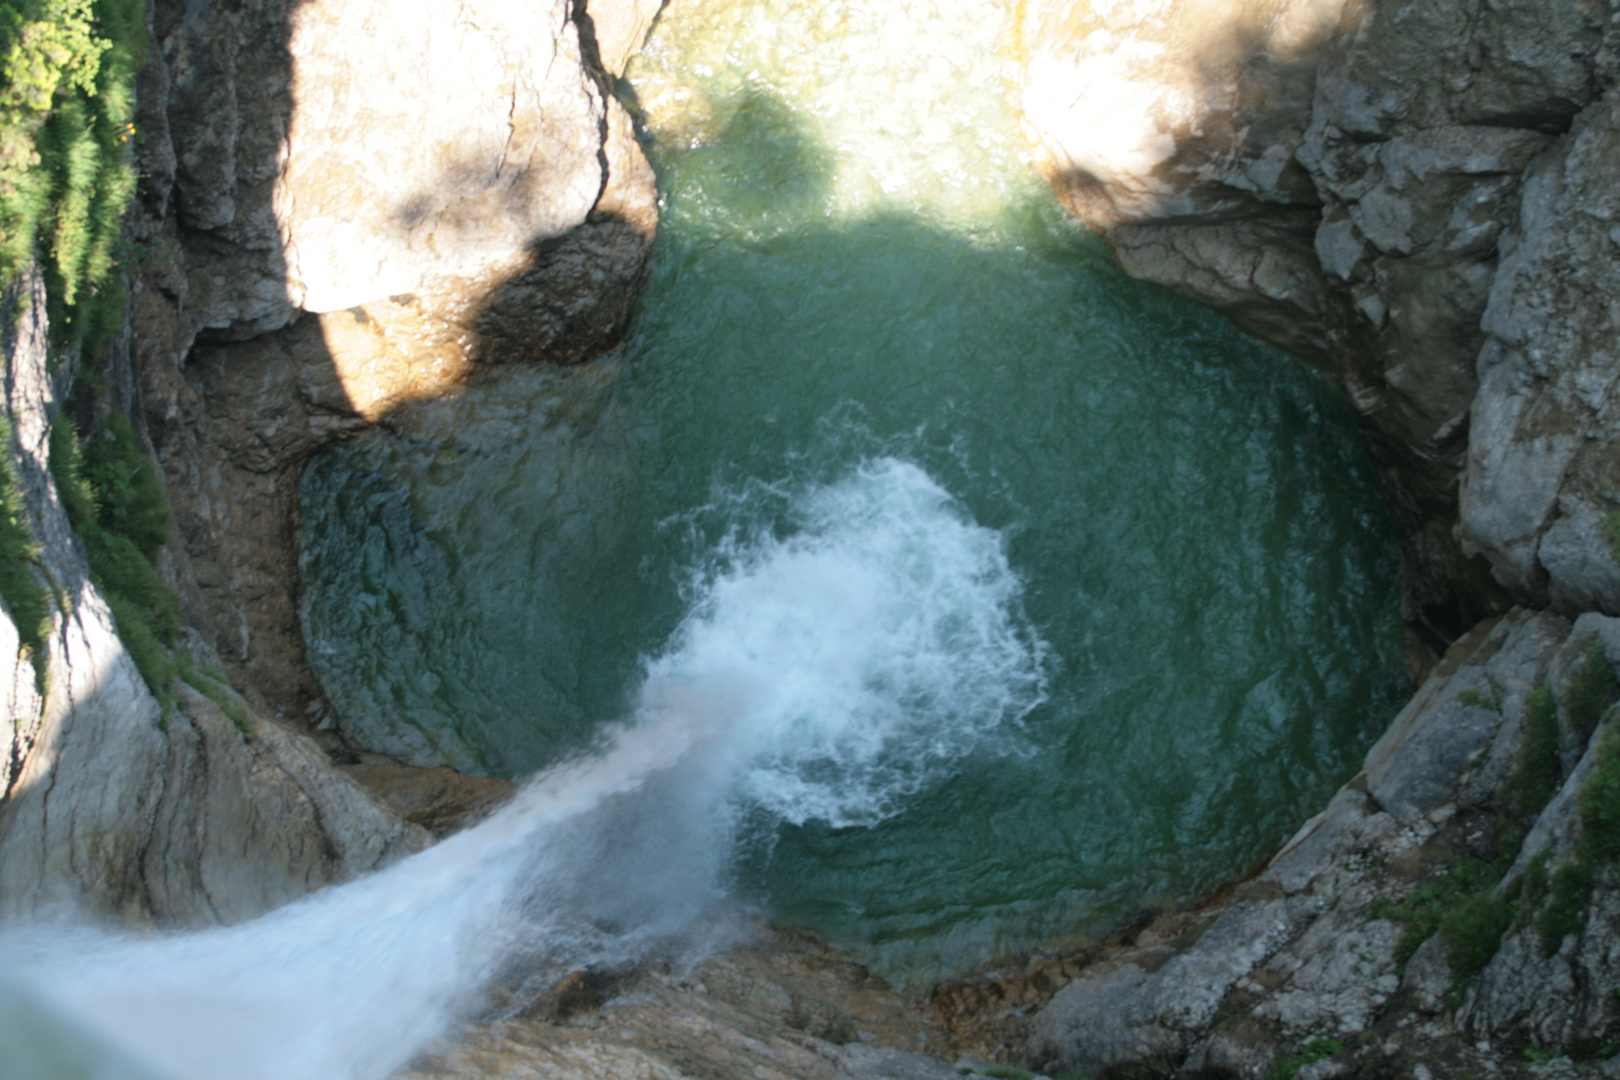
[[1534, 888], [1427, 908], [1614, 535], [115, 504], [1535, 778], [215, 687], [1599, 846], [24, 596], [66, 171], [1478, 699], [1315, 1050], [1473, 930], [1590, 692]]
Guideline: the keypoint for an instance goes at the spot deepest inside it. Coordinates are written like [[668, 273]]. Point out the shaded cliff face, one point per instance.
[[1409, 196], [1418, 199], [350, 206], [1328, 946], [111, 808], [344, 206]]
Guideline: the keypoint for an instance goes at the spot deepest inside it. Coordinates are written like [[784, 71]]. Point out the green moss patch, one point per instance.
[[25, 598], [66, 170], [1315, 1050], [1433, 908], [1473, 931], [1535, 778], [1590, 692], [115, 503], [1570, 888], [216, 688]]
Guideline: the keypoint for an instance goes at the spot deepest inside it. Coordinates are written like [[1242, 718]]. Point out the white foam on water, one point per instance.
[[829, 674]]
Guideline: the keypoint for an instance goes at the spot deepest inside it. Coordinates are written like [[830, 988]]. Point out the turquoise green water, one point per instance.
[[1068, 597]]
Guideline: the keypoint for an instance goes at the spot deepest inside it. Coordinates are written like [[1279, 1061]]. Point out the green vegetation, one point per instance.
[[214, 686], [1428, 908], [1614, 535], [66, 175], [1570, 887], [1534, 888], [1473, 930], [1536, 778], [1008, 1072], [1478, 699], [24, 596], [115, 503], [1599, 846], [1591, 690], [1315, 1050]]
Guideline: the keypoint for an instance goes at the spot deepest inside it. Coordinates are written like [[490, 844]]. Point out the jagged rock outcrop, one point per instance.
[[780, 1006], [1417, 198], [1308, 950], [111, 808], [345, 205], [348, 206], [1413, 197]]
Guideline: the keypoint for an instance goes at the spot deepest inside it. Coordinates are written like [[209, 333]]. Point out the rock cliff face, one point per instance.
[[1320, 945], [345, 205], [1411, 196], [1418, 199], [350, 206], [111, 809]]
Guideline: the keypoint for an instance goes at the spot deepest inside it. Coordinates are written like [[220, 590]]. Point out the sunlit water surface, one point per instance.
[[1038, 594]]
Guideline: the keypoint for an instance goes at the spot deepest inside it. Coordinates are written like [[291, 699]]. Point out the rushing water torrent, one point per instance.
[[828, 675], [914, 577]]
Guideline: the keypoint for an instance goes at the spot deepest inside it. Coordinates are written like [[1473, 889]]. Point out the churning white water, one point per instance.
[[829, 670]]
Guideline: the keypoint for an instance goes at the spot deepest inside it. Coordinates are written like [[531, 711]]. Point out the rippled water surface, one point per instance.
[[1038, 593]]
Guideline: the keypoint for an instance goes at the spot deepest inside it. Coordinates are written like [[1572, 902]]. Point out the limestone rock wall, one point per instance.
[[107, 808], [1418, 198], [1309, 950], [345, 205], [1413, 197]]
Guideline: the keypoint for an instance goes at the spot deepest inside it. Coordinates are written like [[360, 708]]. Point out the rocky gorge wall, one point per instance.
[[1410, 196], [346, 206], [343, 206], [1417, 199]]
